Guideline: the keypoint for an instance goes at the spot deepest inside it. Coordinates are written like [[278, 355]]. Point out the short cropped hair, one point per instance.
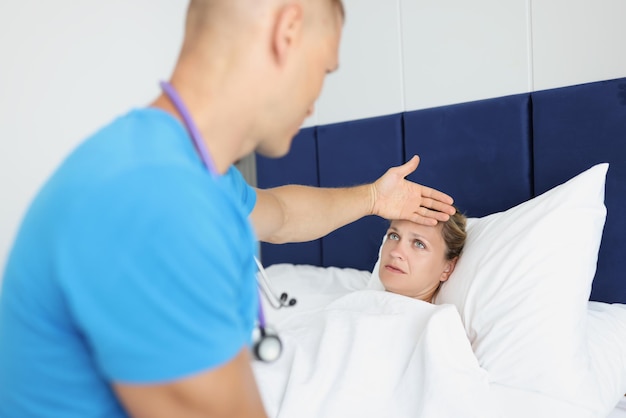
[[339, 5]]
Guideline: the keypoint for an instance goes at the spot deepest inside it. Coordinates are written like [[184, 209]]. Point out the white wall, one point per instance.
[[67, 67], [401, 55], [576, 41]]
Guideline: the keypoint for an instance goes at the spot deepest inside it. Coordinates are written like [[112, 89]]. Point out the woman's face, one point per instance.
[[412, 260]]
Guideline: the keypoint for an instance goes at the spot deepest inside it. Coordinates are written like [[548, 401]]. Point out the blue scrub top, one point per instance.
[[133, 264]]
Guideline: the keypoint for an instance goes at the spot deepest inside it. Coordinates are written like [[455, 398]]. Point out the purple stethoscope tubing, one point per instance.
[[196, 137]]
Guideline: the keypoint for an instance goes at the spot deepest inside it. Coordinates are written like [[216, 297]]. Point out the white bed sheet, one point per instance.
[[375, 354], [620, 410], [329, 369]]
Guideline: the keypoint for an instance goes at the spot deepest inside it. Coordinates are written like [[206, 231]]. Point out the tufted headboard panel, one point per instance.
[[490, 155]]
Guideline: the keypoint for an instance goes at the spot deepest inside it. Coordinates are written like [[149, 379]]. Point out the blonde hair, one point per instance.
[[454, 234]]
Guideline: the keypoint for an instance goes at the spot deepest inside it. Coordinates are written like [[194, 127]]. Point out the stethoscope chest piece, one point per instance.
[[266, 345]]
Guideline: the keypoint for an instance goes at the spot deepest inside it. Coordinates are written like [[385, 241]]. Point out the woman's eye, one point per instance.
[[393, 236], [419, 244]]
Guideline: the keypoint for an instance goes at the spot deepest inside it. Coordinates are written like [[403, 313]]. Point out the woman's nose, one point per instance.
[[397, 251]]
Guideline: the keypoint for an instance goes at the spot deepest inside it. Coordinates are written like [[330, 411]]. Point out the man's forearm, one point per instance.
[[309, 213], [300, 213]]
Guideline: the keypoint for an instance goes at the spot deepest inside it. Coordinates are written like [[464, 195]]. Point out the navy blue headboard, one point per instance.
[[490, 155]]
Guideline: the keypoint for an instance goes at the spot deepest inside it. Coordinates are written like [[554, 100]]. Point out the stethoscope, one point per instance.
[[266, 345]]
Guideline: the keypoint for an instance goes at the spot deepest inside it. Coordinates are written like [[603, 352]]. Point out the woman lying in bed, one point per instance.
[[352, 351], [416, 259]]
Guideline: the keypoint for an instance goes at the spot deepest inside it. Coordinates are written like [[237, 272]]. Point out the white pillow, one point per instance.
[[523, 282], [605, 383], [374, 282], [606, 328], [522, 286]]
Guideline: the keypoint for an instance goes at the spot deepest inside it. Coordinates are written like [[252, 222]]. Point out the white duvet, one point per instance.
[[355, 352], [374, 354]]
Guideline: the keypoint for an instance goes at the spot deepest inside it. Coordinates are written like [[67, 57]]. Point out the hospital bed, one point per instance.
[[533, 338]]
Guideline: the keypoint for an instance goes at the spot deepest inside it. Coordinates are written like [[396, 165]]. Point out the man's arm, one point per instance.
[[300, 213], [225, 392]]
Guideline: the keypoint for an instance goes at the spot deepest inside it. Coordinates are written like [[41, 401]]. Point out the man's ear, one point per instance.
[[287, 30], [448, 269]]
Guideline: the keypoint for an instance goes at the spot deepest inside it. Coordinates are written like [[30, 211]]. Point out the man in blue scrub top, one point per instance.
[[130, 289]]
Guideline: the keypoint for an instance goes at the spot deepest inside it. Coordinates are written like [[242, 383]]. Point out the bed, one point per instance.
[[533, 320]]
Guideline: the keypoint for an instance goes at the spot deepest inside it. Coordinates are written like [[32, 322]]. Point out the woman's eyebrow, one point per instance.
[[411, 234], [420, 237]]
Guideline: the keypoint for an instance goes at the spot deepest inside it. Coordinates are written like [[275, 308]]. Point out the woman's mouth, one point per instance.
[[394, 269]]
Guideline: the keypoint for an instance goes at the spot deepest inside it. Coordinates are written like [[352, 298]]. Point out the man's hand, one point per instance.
[[394, 197]]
